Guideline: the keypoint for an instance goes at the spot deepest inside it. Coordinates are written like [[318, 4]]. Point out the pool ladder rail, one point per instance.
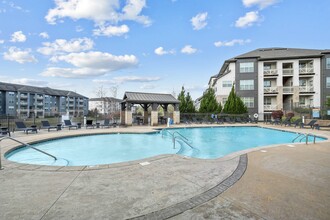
[[176, 135], [305, 136], [27, 145]]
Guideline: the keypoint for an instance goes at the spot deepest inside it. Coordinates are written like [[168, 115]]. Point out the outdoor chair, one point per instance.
[[67, 123], [46, 125], [296, 122], [106, 123], [20, 126], [311, 124], [239, 120], [89, 124], [228, 120], [4, 131], [286, 121]]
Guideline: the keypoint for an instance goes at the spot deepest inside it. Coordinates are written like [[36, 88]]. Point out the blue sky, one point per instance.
[[146, 45]]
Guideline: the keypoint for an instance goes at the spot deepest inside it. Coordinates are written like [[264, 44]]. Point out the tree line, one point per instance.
[[209, 104]]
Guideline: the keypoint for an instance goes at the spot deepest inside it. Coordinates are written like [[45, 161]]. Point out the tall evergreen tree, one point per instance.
[[234, 104], [186, 102], [182, 99], [209, 103]]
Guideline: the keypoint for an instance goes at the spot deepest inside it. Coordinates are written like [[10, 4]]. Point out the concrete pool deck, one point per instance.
[[283, 182]]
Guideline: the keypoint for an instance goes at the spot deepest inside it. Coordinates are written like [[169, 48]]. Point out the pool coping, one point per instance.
[[25, 166]]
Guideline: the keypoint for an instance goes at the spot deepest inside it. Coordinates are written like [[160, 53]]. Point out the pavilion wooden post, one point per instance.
[[154, 114]]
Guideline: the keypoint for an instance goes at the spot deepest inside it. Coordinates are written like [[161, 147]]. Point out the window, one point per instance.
[[267, 83], [302, 100], [327, 65], [246, 84], [328, 82], [267, 101], [227, 84], [302, 82], [248, 102], [246, 67]]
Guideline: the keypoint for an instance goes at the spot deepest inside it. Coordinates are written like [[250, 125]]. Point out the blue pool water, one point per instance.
[[206, 143]]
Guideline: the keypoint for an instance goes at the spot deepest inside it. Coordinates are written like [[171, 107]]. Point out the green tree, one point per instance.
[[209, 102], [234, 104], [186, 102]]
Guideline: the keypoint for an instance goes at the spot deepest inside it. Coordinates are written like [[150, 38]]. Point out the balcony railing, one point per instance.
[[23, 103], [270, 89], [270, 72], [287, 72], [287, 89], [306, 88], [270, 107], [306, 70], [23, 96]]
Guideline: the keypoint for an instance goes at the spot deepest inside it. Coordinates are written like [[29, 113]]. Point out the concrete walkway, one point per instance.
[[284, 182]]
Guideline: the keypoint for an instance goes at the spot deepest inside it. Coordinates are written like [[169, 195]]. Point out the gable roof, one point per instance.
[[281, 53], [39, 90], [140, 97]]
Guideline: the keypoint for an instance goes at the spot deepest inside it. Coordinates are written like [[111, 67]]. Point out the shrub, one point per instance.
[[277, 114], [289, 114]]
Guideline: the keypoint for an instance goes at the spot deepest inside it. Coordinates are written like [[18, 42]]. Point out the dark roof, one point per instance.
[[105, 99], [140, 97], [39, 90], [281, 53]]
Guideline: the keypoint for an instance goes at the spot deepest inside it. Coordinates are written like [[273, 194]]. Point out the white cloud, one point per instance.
[[2, 41], [124, 79], [18, 36], [248, 20], [90, 64], [260, 3], [98, 11], [61, 45], [199, 21], [18, 55], [188, 49], [44, 35], [160, 51], [148, 86], [110, 30], [32, 82], [231, 43]]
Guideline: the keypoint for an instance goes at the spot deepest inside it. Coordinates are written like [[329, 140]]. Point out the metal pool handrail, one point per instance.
[[27, 145], [305, 136], [182, 138]]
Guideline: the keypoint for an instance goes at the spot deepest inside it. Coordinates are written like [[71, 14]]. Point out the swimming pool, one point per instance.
[[204, 143]]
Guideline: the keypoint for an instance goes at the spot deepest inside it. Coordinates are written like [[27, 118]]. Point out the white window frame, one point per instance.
[[266, 99], [327, 82], [327, 63], [248, 101], [270, 83], [247, 84], [246, 67], [227, 84]]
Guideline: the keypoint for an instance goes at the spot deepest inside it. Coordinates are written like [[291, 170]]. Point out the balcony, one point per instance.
[[270, 90], [270, 72], [23, 109], [306, 70], [287, 72], [23, 103], [270, 107], [22, 96], [306, 88], [287, 89], [39, 103], [39, 97]]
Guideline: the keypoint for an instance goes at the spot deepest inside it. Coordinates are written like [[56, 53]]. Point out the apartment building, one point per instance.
[[27, 101], [272, 79], [105, 105]]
